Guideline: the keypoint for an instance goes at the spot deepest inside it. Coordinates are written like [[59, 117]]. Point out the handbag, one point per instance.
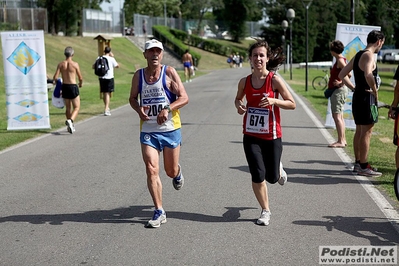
[[328, 93]]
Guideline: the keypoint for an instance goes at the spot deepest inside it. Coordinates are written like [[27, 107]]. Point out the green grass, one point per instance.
[[382, 151], [128, 56]]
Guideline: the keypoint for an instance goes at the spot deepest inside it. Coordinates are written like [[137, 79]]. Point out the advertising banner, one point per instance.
[[354, 38], [25, 79]]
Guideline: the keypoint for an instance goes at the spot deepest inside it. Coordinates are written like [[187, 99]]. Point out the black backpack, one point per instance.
[[101, 66]]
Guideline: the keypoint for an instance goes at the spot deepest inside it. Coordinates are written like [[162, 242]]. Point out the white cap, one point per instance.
[[153, 43]]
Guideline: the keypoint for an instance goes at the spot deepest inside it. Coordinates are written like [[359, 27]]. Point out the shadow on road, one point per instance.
[[132, 214], [373, 229]]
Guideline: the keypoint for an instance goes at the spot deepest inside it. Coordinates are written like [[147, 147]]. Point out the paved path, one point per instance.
[[82, 199]]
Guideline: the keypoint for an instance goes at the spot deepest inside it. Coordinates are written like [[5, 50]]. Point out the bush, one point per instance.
[[163, 34], [177, 41], [8, 27]]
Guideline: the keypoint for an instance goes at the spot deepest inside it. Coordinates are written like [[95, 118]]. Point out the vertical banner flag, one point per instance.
[[25, 79], [354, 38]]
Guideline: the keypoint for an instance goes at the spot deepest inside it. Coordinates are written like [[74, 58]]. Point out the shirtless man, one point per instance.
[[187, 60], [70, 91]]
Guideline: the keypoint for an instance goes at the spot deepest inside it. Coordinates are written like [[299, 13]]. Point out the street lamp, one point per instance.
[[306, 4], [164, 11], [284, 25], [290, 16]]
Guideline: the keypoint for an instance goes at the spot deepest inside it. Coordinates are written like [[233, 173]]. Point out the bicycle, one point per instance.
[[320, 82]]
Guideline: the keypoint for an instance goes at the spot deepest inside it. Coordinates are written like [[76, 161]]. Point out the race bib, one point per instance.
[[154, 110], [257, 120]]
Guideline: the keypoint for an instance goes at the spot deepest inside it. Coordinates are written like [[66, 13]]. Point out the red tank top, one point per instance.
[[334, 72], [263, 123]]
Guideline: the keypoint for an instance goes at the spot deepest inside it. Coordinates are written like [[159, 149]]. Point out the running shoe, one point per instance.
[[283, 175], [368, 171], [107, 112], [70, 126], [158, 218], [356, 167], [264, 218], [178, 181]]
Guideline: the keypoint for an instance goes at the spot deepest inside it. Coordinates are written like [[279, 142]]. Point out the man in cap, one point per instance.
[[157, 94]]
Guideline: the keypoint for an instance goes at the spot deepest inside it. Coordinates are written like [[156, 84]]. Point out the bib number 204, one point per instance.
[[155, 109]]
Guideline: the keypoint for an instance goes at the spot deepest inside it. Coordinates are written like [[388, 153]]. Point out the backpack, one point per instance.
[[101, 66]]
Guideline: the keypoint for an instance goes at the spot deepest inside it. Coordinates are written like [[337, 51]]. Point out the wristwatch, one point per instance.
[[167, 107]]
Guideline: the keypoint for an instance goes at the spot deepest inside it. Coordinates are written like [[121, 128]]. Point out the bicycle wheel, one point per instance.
[[319, 83], [396, 184]]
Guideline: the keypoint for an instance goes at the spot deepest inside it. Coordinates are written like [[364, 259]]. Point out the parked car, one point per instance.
[[209, 34], [390, 58], [224, 35]]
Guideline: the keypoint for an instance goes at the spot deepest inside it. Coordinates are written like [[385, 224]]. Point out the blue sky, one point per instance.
[[115, 5]]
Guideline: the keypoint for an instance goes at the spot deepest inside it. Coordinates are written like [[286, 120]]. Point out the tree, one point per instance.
[[153, 8], [66, 14], [323, 16], [234, 13]]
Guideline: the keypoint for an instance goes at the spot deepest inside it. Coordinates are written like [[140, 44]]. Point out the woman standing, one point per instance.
[[261, 123], [339, 94]]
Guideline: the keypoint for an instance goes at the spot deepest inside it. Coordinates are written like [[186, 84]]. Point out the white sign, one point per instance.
[[25, 78]]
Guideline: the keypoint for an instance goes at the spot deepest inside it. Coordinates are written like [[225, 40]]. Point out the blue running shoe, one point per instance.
[[158, 218], [178, 181]]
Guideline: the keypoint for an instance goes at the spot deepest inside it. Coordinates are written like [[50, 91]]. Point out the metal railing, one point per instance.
[[25, 18]]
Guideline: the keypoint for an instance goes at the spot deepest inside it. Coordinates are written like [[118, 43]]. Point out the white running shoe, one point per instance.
[[70, 126], [264, 218], [369, 171], [283, 175], [107, 112], [158, 218]]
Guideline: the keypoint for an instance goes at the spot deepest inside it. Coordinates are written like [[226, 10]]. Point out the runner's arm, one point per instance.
[[56, 74], [133, 99], [80, 77], [177, 87], [287, 101], [239, 101]]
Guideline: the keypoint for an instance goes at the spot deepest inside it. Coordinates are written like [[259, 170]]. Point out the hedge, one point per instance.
[[176, 40]]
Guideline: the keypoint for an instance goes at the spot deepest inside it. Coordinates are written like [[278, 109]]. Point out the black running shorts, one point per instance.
[[70, 91], [107, 85]]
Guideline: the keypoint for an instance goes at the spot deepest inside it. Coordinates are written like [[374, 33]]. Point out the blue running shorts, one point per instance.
[[159, 140]]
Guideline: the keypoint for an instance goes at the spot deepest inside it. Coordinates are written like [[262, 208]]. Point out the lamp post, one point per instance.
[[164, 11], [290, 16], [284, 25], [306, 4]]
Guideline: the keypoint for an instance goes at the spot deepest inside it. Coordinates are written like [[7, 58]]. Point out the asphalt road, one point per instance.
[[82, 199]]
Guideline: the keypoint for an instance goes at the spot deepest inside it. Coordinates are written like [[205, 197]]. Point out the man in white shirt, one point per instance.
[[107, 85]]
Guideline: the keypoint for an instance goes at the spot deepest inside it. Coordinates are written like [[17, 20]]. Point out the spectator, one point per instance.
[[365, 99], [340, 92]]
